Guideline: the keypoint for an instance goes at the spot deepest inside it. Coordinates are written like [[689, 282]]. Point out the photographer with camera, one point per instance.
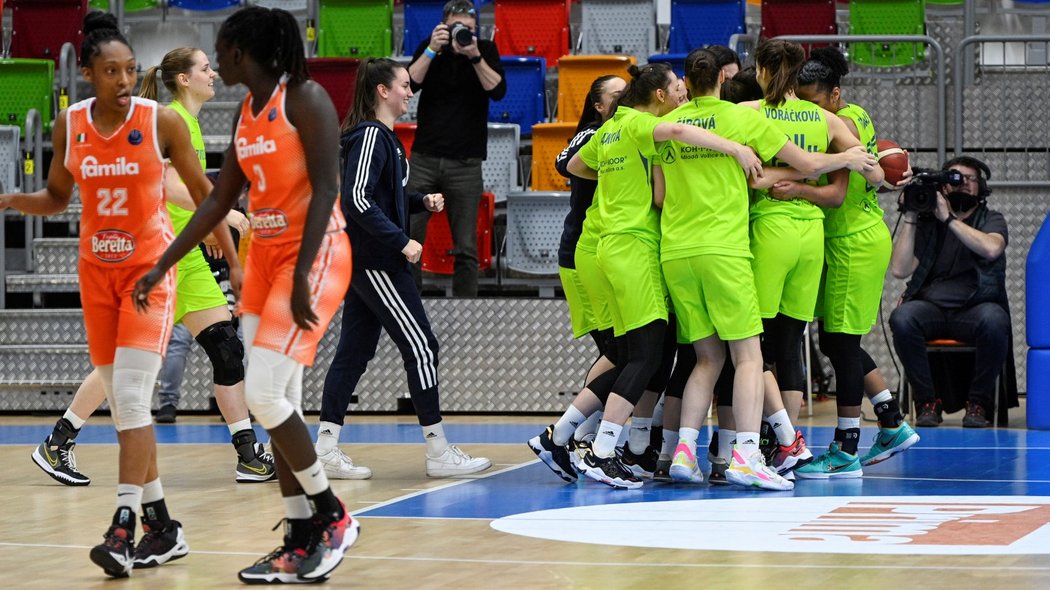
[[457, 74], [953, 248]]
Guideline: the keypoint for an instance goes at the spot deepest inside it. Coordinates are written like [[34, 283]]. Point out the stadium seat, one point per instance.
[[406, 132], [576, 73], [525, 101], [677, 61], [338, 75], [619, 27], [437, 255], [10, 160], [27, 84], [203, 5], [534, 225], [354, 28], [41, 27], [499, 171], [886, 17], [797, 17], [696, 23], [548, 140], [421, 16], [534, 28]]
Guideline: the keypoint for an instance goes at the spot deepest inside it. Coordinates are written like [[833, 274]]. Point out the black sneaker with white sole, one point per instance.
[[552, 455], [643, 465], [160, 543], [115, 554], [609, 470], [577, 449], [60, 463]]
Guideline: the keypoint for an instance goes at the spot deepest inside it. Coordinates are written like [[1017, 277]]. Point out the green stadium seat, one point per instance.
[[887, 17], [355, 28], [28, 84]]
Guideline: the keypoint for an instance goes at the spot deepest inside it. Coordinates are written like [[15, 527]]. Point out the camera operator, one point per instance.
[[457, 74], [953, 248]]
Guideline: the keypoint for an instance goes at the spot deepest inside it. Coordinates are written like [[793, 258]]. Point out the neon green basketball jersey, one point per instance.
[[861, 208], [805, 125]]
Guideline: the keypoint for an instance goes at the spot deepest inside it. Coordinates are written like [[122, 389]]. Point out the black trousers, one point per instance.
[[380, 300]]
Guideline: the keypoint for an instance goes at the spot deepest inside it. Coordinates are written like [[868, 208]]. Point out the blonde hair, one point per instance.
[[175, 62]]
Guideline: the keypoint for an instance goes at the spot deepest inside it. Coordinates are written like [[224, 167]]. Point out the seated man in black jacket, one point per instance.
[[956, 259]]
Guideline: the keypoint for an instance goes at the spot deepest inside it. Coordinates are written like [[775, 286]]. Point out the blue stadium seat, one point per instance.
[[696, 23], [203, 5], [421, 16], [525, 100], [677, 61]]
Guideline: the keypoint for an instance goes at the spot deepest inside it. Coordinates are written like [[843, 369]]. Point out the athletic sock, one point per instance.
[[639, 437], [605, 442], [434, 436], [588, 427], [327, 436], [746, 443], [297, 507], [239, 425], [726, 440], [847, 434], [153, 505], [887, 409], [688, 436], [670, 441], [76, 421], [129, 498], [781, 424], [566, 425]]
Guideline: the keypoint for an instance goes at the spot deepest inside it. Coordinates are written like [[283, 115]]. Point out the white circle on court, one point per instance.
[[890, 525]]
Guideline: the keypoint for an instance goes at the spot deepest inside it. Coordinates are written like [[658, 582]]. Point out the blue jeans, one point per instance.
[[171, 371]]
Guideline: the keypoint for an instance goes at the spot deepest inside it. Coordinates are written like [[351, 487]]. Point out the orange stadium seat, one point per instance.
[[548, 140], [576, 73]]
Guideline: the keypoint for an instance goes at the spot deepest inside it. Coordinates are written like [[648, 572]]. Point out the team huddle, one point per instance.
[[695, 228]]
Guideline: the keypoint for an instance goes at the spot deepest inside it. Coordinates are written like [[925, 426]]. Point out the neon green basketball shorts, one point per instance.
[[581, 312], [851, 289], [630, 267], [713, 293], [788, 259], [195, 287], [592, 291]]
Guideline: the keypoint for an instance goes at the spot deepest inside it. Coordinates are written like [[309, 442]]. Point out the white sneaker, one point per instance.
[[455, 462], [338, 466]]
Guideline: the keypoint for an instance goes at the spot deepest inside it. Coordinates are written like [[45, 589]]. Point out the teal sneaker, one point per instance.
[[833, 464], [888, 442]]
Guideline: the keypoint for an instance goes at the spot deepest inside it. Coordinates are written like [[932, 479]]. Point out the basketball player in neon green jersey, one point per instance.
[[619, 156], [857, 248], [706, 261]]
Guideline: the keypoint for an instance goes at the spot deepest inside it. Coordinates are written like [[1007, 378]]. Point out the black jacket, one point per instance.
[[580, 198], [373, 196]]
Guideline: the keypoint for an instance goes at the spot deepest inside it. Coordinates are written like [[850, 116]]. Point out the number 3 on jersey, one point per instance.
[[261, 182], [112, 203]]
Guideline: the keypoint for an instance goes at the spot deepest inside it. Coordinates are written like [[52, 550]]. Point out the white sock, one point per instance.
[[726, 439], [658, 413], [152, 492], [746, 443], [240, 425], [688, 436], [567, 425], [312, 479], [670, 441], [847, 423], [639, 437], [878, 398], [75, 420], [588, 427], [327, 436], [434, 436], [781, 424], [297, 507], [605, 442], [129, 496]]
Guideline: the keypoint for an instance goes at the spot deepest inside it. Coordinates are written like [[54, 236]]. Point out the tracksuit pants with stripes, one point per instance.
[[381, 300]]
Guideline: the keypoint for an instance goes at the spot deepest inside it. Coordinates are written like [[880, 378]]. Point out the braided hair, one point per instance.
[[270, 37], [99, 28]]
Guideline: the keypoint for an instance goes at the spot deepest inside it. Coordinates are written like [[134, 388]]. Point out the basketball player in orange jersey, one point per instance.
[[286, 142], [113, 147]]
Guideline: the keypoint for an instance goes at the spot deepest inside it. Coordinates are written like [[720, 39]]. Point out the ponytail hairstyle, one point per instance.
[[371, 73], [701, 71], [270, 37], [590, 114], [175, 62], [645, 81], [825, 67], [724, 56], [781, 60], [99, 28]]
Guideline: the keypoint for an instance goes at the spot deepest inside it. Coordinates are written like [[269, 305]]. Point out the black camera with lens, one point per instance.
[[920, 195], [461, 34]]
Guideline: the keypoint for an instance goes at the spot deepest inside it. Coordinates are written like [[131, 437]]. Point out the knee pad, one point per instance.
[[134, 373], [225, 351], [266, 386]]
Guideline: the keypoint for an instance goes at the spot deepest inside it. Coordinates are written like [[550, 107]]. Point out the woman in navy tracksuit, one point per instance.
[[382, 293]]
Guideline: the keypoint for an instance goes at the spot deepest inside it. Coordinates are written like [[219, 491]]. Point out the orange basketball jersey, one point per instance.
[[124, 222], [271, 155]]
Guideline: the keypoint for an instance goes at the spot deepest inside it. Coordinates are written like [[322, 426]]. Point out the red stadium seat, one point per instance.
[[41, 27], [437, 251], [338, 75], [406, 132], [533, 28], [797, 17]]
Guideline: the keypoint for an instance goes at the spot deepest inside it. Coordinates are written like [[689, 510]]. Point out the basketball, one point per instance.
[[894, 162]]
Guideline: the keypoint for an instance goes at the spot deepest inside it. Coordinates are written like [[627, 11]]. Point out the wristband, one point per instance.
[[475, 60], [429, 52], [950, 219]]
